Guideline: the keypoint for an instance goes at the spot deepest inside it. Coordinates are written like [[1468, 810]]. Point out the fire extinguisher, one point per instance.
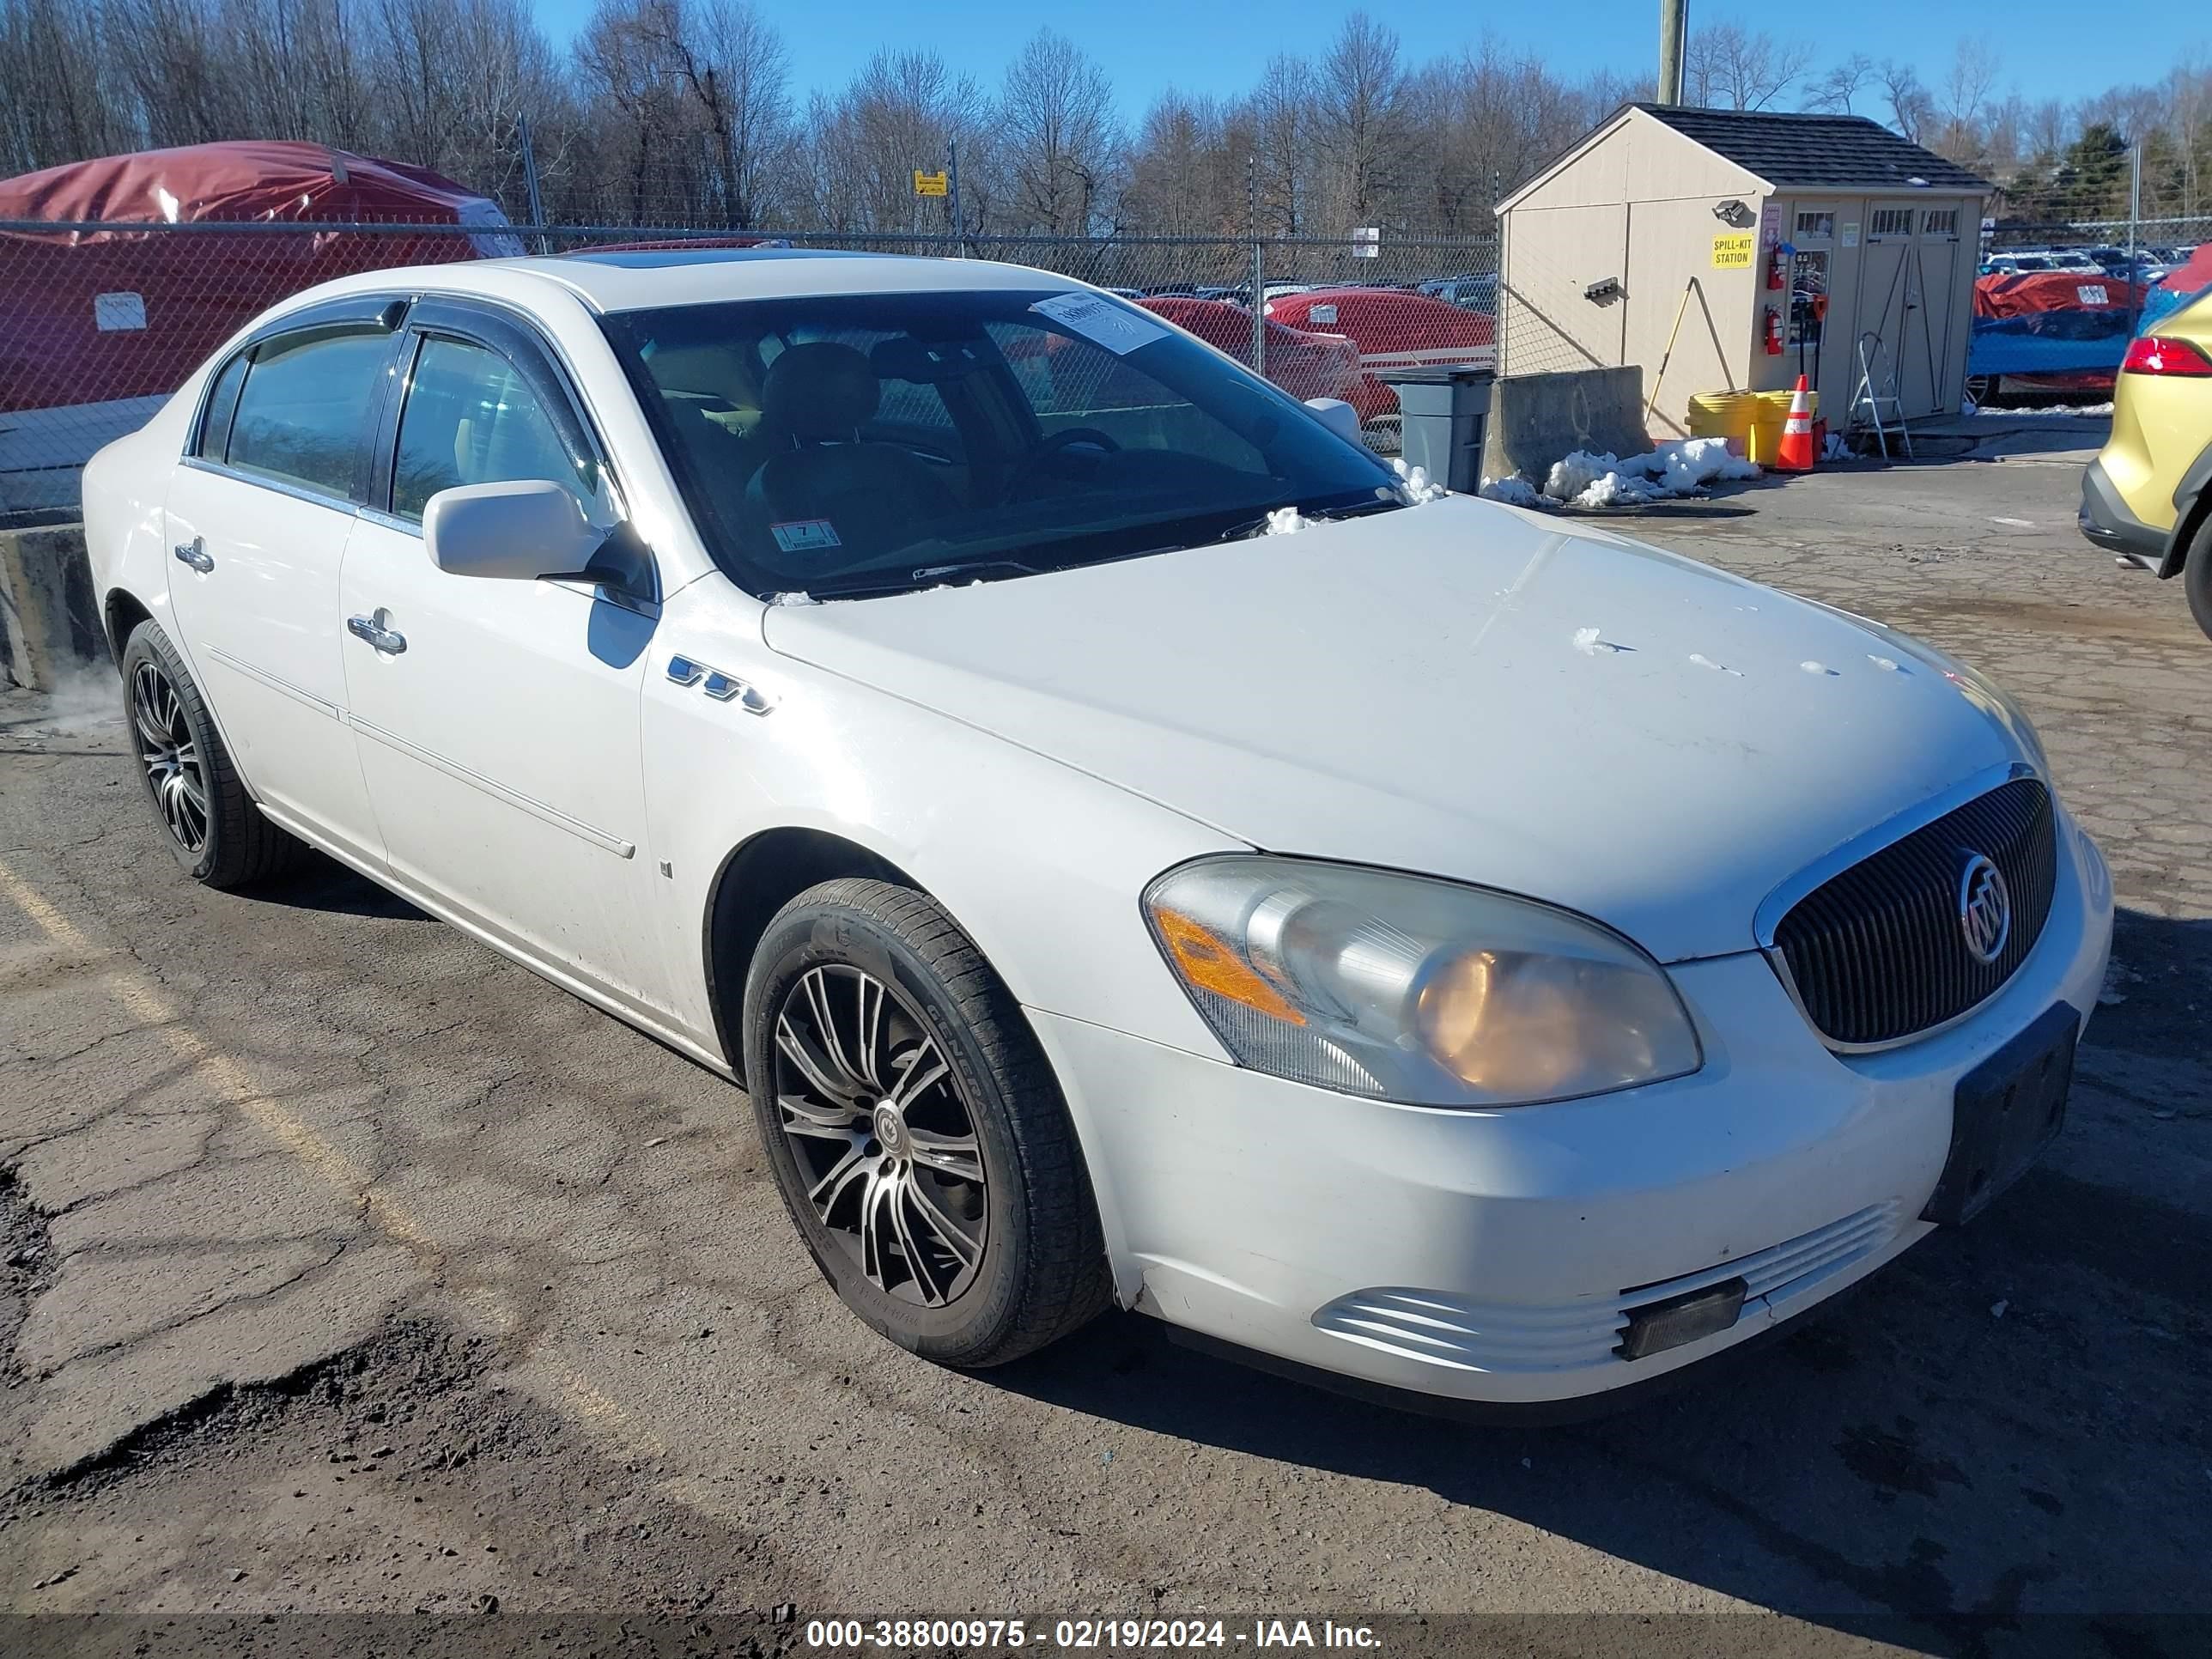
[[1775, 256], [1773, 333]]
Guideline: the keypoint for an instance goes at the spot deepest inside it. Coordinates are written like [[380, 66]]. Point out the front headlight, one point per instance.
[[1400, 987]]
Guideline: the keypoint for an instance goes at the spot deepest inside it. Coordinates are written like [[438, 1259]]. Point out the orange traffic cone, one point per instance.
[[1795, 453]]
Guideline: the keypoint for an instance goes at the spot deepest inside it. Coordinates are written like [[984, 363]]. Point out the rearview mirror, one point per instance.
[[519, 531], [1338, 415]]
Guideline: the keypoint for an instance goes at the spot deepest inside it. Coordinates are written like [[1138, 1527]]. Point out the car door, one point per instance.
[[258, 515], [496, 721]]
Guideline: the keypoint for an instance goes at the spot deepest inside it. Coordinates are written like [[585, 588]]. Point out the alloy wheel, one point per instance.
[[884, 1141], [170, 754]]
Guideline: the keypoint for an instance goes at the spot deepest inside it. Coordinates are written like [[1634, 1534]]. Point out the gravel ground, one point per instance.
[[347, 1270]]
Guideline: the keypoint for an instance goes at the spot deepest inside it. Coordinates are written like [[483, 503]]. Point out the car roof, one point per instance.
[[639, 279]]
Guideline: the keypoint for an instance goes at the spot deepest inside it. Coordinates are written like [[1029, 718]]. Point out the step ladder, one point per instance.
[[1873, 393]]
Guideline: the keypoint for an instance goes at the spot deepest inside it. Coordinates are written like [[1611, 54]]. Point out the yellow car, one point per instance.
[[2148, 496]]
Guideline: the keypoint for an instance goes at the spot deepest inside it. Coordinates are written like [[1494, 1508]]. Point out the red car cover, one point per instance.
[[126, 312]]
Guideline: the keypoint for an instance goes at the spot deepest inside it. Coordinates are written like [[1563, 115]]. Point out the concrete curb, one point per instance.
[[49, 618]]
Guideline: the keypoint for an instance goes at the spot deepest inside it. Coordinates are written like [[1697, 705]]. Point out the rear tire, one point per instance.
[[207, 815], [914, 1129], [2197, 574]]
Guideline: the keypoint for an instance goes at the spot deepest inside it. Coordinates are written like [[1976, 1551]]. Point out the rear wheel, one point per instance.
[[914, 1130], [2197, 574], [208, 818]]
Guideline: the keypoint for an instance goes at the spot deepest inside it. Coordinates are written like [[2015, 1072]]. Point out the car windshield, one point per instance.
[[857, 444]]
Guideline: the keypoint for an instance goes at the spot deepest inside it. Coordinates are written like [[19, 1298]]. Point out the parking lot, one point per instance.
[[541, 1339]]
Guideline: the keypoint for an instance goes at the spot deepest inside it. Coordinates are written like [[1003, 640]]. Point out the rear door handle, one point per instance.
[[195, 554], [387, 639]]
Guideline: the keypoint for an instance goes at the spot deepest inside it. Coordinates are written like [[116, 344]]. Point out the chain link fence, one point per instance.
[[2156, 241], [99, 322]]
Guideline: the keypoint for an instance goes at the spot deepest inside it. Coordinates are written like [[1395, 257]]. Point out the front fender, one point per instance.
[[1042, 865]]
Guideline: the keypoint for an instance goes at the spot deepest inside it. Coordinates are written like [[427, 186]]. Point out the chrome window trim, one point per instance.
[[1779, 902], [298, 492]]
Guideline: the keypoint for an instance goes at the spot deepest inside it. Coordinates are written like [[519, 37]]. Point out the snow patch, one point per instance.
[[1681, 466], [2053, 410], [1704, 661], [1284, 521], [1590, 640], [1415, 482], [1811, 667], [1516, 491], [1888, 665], [794, 599]]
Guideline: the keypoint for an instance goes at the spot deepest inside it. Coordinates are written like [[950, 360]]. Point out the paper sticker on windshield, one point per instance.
[[804, 535], [1103, 321]]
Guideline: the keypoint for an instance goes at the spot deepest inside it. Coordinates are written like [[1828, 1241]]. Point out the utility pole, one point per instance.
[[1259, 265], [529, 182], [2135, 213], [1673, 26], [959, 229]]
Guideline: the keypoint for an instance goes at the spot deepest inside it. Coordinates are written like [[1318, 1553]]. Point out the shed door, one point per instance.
[[1892, 301], [1937, 253], [1823, 263]]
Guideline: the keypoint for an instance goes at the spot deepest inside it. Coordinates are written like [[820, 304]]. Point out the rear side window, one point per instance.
[[221, 405], [471, 418], [304, 408]]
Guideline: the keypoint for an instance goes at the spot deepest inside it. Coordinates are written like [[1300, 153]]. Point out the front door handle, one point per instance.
[[195, 554], [373, 629]]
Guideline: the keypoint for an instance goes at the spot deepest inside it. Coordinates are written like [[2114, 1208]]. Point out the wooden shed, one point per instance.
[[1778, 240]]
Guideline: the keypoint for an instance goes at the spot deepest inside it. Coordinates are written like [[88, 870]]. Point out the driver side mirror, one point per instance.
[[517, 531], [1338, 415]]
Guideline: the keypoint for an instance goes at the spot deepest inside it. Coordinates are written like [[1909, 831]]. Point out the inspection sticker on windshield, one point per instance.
[[1120, 329], [804, 535]]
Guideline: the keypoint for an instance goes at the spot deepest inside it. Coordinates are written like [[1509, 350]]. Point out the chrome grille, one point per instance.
[[1876, 954]]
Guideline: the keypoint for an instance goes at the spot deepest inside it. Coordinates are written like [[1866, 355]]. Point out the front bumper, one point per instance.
[[2105, 519], [1496, 1256]]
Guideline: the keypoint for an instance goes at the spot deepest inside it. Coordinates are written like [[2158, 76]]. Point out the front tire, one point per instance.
[[914, 1129], [208, 816]]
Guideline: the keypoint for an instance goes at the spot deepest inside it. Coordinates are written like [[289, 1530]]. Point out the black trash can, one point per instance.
[[1442, 413]]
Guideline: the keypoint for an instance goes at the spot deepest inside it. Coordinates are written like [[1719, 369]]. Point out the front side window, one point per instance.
[[1940, 221], [304, 408], [1891, 221], [471, 418], [1815, 226], [873, 442]]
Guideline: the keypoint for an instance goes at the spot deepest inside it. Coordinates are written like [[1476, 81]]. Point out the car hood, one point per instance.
[[1460, 688]]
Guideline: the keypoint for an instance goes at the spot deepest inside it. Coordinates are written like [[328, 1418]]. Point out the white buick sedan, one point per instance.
[[1446, 948]]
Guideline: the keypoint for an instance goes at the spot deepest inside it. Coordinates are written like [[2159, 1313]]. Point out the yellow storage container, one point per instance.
[[1722, 415], [1771, 413], [1751, 421]]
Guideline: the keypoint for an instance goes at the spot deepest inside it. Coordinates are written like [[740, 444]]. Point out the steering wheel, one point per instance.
[[1066, 439]]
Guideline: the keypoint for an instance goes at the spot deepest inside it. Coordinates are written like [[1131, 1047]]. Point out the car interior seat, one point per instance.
[[820, 470]]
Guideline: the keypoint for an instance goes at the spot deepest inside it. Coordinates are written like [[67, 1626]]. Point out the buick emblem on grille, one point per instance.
[[1985, 907]]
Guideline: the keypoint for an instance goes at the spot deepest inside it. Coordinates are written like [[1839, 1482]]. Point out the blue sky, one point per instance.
[[2048, 48]]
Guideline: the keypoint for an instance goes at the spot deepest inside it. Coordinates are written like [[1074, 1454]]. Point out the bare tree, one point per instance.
[[1361, 119], [1727, 66], [1280, 110], [1056, 127], [1912, 110], [1836, 91]]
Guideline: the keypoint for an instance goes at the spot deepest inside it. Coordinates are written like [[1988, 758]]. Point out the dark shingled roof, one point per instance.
[[1815, 152]]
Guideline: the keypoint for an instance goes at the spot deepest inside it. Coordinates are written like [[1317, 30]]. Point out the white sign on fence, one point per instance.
[[1367, 242]]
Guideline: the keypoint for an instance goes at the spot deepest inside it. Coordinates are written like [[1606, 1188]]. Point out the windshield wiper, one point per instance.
[[873, 585], [1252, 527]]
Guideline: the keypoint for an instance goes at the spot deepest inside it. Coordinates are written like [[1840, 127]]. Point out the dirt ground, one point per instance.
[[361, 1293]]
